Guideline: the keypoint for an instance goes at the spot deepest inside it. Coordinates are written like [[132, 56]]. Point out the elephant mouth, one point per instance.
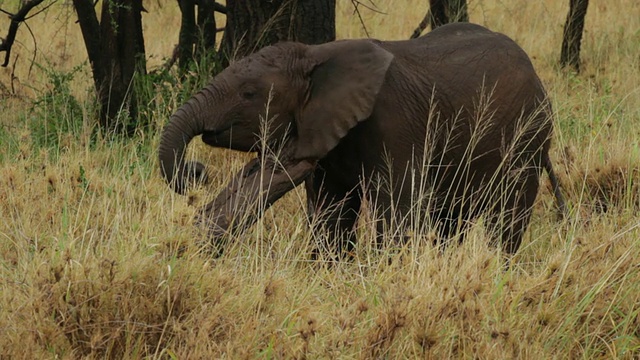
[[225, 138], [216, 137]]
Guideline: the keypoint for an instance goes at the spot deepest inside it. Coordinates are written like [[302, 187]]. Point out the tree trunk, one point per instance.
[[438, 14], [572, 35], [206, 41], [253, 24], [116, 52], [442, 12], [197, 32], [187, 38], [124, 55], [447, 11], [90, 28]]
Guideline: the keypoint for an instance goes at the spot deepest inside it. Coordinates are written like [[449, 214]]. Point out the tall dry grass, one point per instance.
[[98, 257]]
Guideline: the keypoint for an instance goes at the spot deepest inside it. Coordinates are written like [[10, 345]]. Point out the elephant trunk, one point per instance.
[[185, 124]]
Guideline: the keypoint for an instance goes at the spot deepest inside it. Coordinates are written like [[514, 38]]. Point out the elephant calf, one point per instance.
[[445, 128]]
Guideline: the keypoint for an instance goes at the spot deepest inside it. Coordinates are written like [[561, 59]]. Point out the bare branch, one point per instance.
[[373, 6], [356, 9], [219, 8], [13, 75], [356, 3], [35, 49], [16, 19], [41, 10], [423, 25], [211, 3]]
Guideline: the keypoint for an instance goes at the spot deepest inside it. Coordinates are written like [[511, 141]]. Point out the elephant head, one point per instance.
[[312, 94]]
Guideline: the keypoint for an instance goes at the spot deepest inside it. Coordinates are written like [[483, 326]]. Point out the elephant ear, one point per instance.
[[345, 78]]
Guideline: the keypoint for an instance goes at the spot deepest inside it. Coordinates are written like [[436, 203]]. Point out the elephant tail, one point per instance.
[[555, 184]]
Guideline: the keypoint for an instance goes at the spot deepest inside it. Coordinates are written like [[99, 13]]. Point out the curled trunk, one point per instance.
[[184, 125]]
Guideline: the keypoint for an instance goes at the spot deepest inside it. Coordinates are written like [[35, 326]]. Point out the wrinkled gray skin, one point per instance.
[[460, 108]]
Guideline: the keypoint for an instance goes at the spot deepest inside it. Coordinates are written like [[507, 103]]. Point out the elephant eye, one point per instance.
[[249, 94]]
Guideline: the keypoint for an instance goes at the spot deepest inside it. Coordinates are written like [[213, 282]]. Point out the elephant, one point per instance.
[[447, 127]]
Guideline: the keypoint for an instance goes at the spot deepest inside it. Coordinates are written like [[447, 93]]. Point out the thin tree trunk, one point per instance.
[[123, 52], [572, 35], [438, 14], [115, 47], [206, 41], [442, 12], [90, 28], [187, 32], [197, 30]]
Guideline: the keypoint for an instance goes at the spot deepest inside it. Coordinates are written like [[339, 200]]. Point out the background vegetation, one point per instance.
[[98, 257]]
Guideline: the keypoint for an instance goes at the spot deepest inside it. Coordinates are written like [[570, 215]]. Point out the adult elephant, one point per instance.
[[445, 128]]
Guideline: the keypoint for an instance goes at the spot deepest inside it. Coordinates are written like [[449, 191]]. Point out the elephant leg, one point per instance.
[[333, 211], [510, 218]]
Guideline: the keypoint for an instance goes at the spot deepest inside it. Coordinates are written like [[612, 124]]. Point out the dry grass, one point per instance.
[[97, 256]]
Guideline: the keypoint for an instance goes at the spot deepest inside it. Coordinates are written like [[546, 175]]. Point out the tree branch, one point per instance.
[[356, 10], [16, 19], [219, 8], [41, 10], [212, 4], [422, 25]]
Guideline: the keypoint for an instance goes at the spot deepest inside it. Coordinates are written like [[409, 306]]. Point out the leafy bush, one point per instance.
[[56, 114]]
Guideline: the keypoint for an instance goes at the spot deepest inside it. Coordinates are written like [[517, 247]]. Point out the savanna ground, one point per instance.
[[98, 258]]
